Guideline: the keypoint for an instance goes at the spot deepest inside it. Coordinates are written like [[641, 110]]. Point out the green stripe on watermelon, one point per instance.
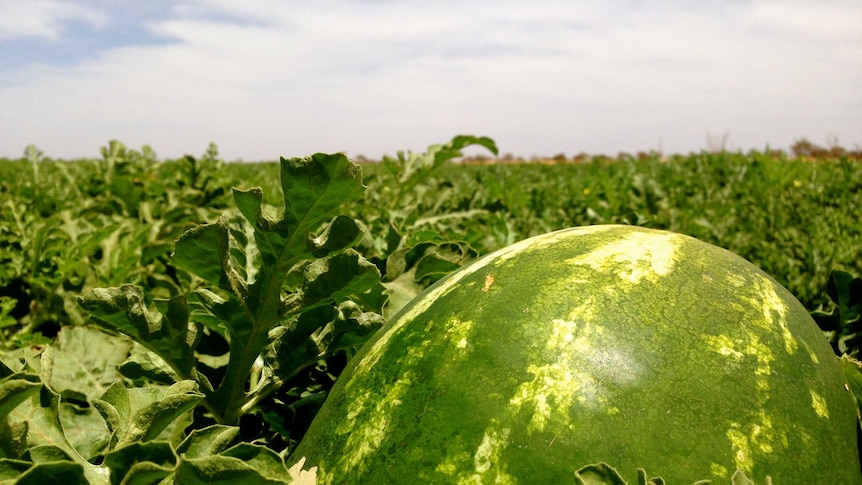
[[615, 344]]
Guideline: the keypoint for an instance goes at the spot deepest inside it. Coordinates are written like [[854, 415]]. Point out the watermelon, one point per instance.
[[617, 345]]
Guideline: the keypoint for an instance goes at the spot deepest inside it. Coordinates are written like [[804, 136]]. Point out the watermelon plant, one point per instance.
[[415, 235], [268, 285], [51, 435], [261, 312], [109, 408], [274, 297], [94, 223], [638, 348], [843, 323]]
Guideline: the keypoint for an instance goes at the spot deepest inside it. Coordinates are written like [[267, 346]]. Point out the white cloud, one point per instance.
[[265, 78], [815, 20], [44, 19]]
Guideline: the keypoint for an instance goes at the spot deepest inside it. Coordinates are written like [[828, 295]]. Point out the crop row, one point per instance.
[[241, 306]]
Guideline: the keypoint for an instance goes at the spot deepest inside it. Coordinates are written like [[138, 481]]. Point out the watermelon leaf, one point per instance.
[[598, 474], [251, 276], [208, 441], [141, 414], [414, 169], [604, 474], [853, 372], [53, 472], [38, 434], [203, 251], [843, 323], [141, 462], [220, 469], [170, 335], [16, 388]]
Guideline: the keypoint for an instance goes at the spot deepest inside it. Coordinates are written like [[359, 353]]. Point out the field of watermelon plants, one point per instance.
[[182, 321]]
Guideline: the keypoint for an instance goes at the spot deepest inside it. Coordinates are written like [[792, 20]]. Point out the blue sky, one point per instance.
[[267, 78]]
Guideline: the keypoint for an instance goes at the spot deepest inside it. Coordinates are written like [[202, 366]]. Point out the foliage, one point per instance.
[[792, 218], [282, 289], [843, 322], [414, 238], [92, 223], [604, 474], [107, 229], [56, 424], [842, 325]]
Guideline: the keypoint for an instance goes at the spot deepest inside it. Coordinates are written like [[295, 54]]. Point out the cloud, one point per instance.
[[834, 19], [265, 78], [44, 19]]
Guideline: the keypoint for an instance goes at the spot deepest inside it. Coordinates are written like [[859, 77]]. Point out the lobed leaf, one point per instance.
[[319, 333], [262, 459], [218, 469], [341, 233], [147, 365], [338, 277], [604, 474], [315, 187], [140, 463], [38, 429], [141, 414], [47, 454], [42, 416], [15, 389], [203, 251], [853, 373], [86, 361], [65, 472], [171, 335], [11, 469], [598, 474], [208, 441], [259, 275]]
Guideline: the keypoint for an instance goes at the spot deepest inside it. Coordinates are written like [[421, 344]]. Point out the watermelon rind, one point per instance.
[[601, 344]]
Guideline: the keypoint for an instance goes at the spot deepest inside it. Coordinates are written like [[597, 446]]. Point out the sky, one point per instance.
[[268, 78]]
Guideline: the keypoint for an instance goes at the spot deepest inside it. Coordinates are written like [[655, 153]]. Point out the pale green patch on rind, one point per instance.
[[741, 448], [487, 455], [578, 376], [774, 311], [761, 294], [458, 334], [634, 257], [572, 379], [718, 470], [819, 404], [760, 432], [547, 240], [445, 286], [557, 385], [736, 280], [485, 465], [765, 436], [812, 355], [723, 345], [364, 440], [758, 291], [759, 437]]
